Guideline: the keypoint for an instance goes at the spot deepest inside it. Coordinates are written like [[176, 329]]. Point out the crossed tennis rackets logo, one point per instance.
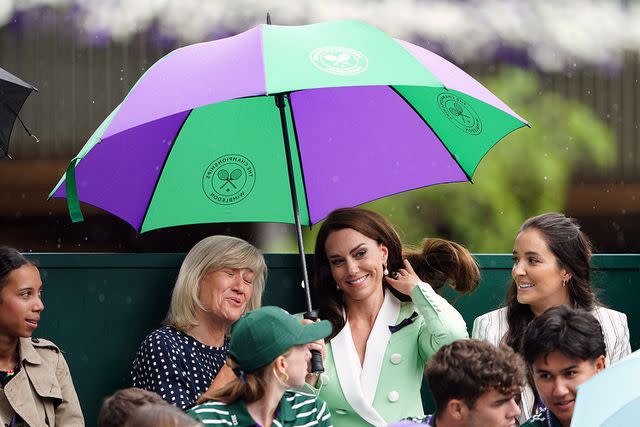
[[228, 179], [460, 113]]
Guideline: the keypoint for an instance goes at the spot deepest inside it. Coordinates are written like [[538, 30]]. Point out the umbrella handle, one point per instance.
[[317, 366]]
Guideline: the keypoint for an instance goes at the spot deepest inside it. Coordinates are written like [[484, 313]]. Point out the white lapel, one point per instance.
[[358, 383], [377, 345]]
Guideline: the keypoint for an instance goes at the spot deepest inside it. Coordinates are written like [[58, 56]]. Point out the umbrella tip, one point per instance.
[[268, 19]]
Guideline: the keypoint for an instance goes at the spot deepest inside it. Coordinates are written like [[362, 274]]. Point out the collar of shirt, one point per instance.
[[238, 409]]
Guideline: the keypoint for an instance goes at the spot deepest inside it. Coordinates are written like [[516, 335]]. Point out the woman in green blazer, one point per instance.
[[385, 325]]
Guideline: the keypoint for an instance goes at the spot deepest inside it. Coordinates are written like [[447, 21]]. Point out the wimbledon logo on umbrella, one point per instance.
[[229, 179], [460, 113], [339, 60]]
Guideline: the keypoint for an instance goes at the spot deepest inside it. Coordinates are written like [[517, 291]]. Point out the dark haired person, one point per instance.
[[387, 318], [269, 353], [551, 267], [563, 348], [115, 409], [36, 388], [474, 384], [159, 415]]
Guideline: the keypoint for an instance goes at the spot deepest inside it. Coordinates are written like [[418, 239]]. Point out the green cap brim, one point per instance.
[[314, 331]]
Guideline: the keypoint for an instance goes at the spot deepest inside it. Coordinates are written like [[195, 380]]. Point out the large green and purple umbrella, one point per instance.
[[284, 124], [199, 137]]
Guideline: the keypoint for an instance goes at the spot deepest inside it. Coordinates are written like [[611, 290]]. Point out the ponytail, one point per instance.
[[442, 262]]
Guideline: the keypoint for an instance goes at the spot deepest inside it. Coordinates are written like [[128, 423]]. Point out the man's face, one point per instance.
[[493, 409], [557, 376]]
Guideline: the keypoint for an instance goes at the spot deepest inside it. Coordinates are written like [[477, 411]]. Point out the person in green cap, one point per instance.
[[269, 353]]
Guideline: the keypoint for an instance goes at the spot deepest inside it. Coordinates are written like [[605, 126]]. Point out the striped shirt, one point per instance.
[[296, 410]]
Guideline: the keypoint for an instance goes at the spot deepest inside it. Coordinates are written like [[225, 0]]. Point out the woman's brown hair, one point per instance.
[[250, 388], [437, 262]]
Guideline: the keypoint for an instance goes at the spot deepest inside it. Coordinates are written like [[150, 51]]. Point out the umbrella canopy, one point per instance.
[[199, 138], [13, 94], [612, 397]]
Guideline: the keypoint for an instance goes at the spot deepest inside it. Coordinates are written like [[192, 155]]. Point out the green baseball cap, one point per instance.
[[261, 335]]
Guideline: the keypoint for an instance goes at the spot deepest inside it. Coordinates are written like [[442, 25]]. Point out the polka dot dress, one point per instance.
[[176, 366]]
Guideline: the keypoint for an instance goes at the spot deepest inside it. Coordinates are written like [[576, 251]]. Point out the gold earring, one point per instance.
[[385, 270]]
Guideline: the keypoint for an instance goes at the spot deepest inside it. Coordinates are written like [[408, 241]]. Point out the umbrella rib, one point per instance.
[[434, 132], [304, 182], [166, 159]]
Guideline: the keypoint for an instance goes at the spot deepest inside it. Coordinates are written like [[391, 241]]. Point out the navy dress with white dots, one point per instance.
[[176, 366]]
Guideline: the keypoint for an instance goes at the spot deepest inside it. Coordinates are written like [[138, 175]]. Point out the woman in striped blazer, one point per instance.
[[551, 267]]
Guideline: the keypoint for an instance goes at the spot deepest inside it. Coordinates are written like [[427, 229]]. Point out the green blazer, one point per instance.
[[386, 387]]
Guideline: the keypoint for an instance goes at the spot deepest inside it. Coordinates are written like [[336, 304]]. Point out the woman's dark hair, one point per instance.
[[438, 262], [573, 332], [572, 249], [10, 259], [442, 262]]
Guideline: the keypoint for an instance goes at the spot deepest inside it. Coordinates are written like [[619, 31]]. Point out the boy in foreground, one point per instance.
[[563, 348], [474, 384]]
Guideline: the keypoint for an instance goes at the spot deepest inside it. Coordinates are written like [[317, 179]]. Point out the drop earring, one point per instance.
[[385, 270]]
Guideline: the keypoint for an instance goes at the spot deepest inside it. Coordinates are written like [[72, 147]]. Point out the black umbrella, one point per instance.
[[13, 93]]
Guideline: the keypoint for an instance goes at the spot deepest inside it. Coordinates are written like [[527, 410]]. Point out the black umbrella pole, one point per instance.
[[311, 314]]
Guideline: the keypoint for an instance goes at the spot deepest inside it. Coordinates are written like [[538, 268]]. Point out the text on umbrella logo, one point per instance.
[[339, 60], [228, 179], [460, 113]]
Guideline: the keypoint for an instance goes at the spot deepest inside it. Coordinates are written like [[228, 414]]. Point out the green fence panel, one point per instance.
[[98, 307]]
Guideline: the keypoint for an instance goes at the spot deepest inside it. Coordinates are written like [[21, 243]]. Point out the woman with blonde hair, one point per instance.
[[220, 279], [269, 352]]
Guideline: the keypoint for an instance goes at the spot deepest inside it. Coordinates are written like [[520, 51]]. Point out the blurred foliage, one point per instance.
[[525, 174]]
